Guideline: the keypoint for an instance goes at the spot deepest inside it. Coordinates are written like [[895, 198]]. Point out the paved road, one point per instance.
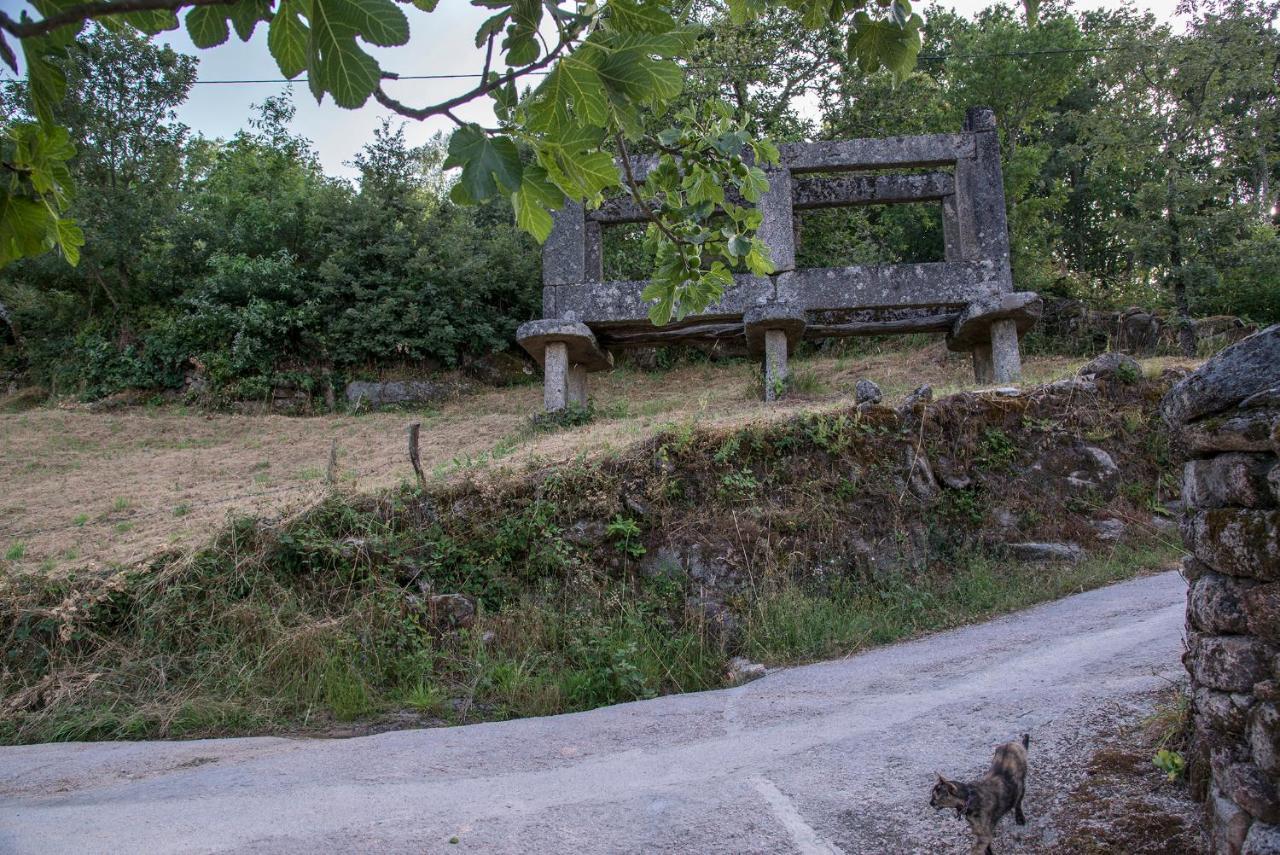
[[825, 758]]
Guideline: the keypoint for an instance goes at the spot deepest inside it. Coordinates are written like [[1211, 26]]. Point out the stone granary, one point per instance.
[[968, 296]]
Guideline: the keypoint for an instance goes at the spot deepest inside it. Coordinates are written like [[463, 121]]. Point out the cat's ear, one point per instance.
[[941, 780]]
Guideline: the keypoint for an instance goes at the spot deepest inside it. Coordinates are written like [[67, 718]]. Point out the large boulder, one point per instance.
[[1247, 367]]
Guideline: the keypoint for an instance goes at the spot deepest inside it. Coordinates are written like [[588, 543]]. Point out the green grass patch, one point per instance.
[[791, 624]]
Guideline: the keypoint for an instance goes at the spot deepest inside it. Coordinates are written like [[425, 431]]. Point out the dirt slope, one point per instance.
[[80, 489]]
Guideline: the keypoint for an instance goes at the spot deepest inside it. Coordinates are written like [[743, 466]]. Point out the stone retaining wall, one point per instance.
[[1228, 417]]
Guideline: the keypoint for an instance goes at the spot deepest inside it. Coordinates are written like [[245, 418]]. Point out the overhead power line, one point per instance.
[[923, 56]]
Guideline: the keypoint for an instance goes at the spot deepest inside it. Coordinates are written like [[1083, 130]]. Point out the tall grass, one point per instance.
[[789, 624]]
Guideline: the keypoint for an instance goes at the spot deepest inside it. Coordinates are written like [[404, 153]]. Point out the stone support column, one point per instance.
[[775, 364], [577, 385], [1226, 416], [555, 376], [984, 371], [1006, 360]]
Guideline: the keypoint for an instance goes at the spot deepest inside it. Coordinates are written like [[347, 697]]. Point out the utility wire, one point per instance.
[[923, 56]]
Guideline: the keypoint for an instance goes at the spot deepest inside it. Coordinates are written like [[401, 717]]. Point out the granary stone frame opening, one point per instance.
[[968, 296]]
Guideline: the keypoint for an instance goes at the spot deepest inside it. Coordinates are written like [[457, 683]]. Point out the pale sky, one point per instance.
[[219, 110]]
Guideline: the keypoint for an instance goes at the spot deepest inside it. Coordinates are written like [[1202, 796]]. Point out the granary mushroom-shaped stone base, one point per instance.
[[566, 350], [989, 328], [774, 329]]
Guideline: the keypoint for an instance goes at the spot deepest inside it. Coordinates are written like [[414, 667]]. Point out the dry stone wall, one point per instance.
[[1227, 414]]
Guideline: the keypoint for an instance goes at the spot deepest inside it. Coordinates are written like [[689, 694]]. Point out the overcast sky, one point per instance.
[[219, 110]]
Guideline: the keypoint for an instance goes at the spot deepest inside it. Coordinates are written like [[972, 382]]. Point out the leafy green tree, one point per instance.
[[1189, 140], [609, 66]]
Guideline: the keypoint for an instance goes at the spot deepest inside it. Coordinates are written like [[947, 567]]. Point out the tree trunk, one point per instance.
[[1178, 280]]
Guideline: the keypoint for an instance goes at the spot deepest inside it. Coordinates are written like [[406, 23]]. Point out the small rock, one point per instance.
[[955, 480], [352, 547], [866, 392], [635, 503], [585, 533], [660, 562], [1112, 366], [920, 478], [454, 611], [1005, 518], [1244, 430], [1038, 552], [742, 670], [1109, 529], [921, 395]]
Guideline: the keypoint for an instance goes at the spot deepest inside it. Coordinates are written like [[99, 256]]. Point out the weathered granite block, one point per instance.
[[1228, 479], [1238, 430], [1235, 541], [1193, 568], [1228, 663], [395, 392], [1264, 737], [1261, 606], [1214, 605], [1263, 839], [1252, 789], [1225, 712], [1247, 367], [1230, 824]]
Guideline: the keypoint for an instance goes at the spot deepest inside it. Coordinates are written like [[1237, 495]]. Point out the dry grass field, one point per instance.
[[82, 490]]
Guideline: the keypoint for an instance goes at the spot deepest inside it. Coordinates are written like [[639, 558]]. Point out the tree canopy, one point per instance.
[[610, 68]]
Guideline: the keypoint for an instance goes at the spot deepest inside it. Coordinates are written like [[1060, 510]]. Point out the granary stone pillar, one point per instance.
[[555, 376], [775, 364], [1006, 361], [1226, 418], [567, 351], [773, 330], [989, 329]]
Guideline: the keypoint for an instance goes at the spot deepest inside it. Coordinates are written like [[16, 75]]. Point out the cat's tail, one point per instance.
[[1026, 740]]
